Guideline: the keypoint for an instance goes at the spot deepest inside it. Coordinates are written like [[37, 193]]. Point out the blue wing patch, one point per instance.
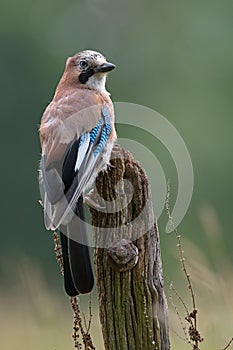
[[95, 131], [107, 128], [100, 132]]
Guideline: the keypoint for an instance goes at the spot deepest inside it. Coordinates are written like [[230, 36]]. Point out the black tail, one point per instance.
[[78, 275]]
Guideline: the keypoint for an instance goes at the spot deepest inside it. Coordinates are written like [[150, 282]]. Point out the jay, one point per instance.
[[77, 135]]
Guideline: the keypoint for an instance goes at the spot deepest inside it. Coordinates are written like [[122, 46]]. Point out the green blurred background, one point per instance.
[[173, 56]]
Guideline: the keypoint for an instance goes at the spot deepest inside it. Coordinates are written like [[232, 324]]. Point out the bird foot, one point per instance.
[[88, 199]]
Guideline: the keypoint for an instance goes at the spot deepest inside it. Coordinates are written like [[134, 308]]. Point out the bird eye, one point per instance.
[[83, 64]]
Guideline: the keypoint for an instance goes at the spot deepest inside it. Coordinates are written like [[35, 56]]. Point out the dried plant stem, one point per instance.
[[181, 252], [191, 317], [90, 315], [78, 323], [58, 251], [228, 345], [78, 326], [171, 288]]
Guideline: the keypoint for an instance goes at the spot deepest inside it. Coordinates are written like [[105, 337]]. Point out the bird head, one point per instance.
[[89, 69]]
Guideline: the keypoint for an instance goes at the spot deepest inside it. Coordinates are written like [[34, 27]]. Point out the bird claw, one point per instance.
[[88, 199]]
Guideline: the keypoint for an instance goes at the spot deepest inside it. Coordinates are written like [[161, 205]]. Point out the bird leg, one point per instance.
[[91, 202]]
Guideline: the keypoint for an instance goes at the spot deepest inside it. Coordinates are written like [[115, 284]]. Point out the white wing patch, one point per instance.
[[83, 147]]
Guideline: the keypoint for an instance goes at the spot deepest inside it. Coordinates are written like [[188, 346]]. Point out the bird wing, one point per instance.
[[72, 157]]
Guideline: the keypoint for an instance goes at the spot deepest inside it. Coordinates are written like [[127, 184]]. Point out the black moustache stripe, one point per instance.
[[83, 77]]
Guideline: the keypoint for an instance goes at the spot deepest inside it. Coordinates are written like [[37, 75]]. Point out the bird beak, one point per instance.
[[104, 68]]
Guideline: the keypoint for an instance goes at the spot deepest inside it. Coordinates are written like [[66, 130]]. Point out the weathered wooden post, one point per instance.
[[133, 307]]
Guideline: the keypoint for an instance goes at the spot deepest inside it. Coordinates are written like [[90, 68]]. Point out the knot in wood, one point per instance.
[[123, 255]]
